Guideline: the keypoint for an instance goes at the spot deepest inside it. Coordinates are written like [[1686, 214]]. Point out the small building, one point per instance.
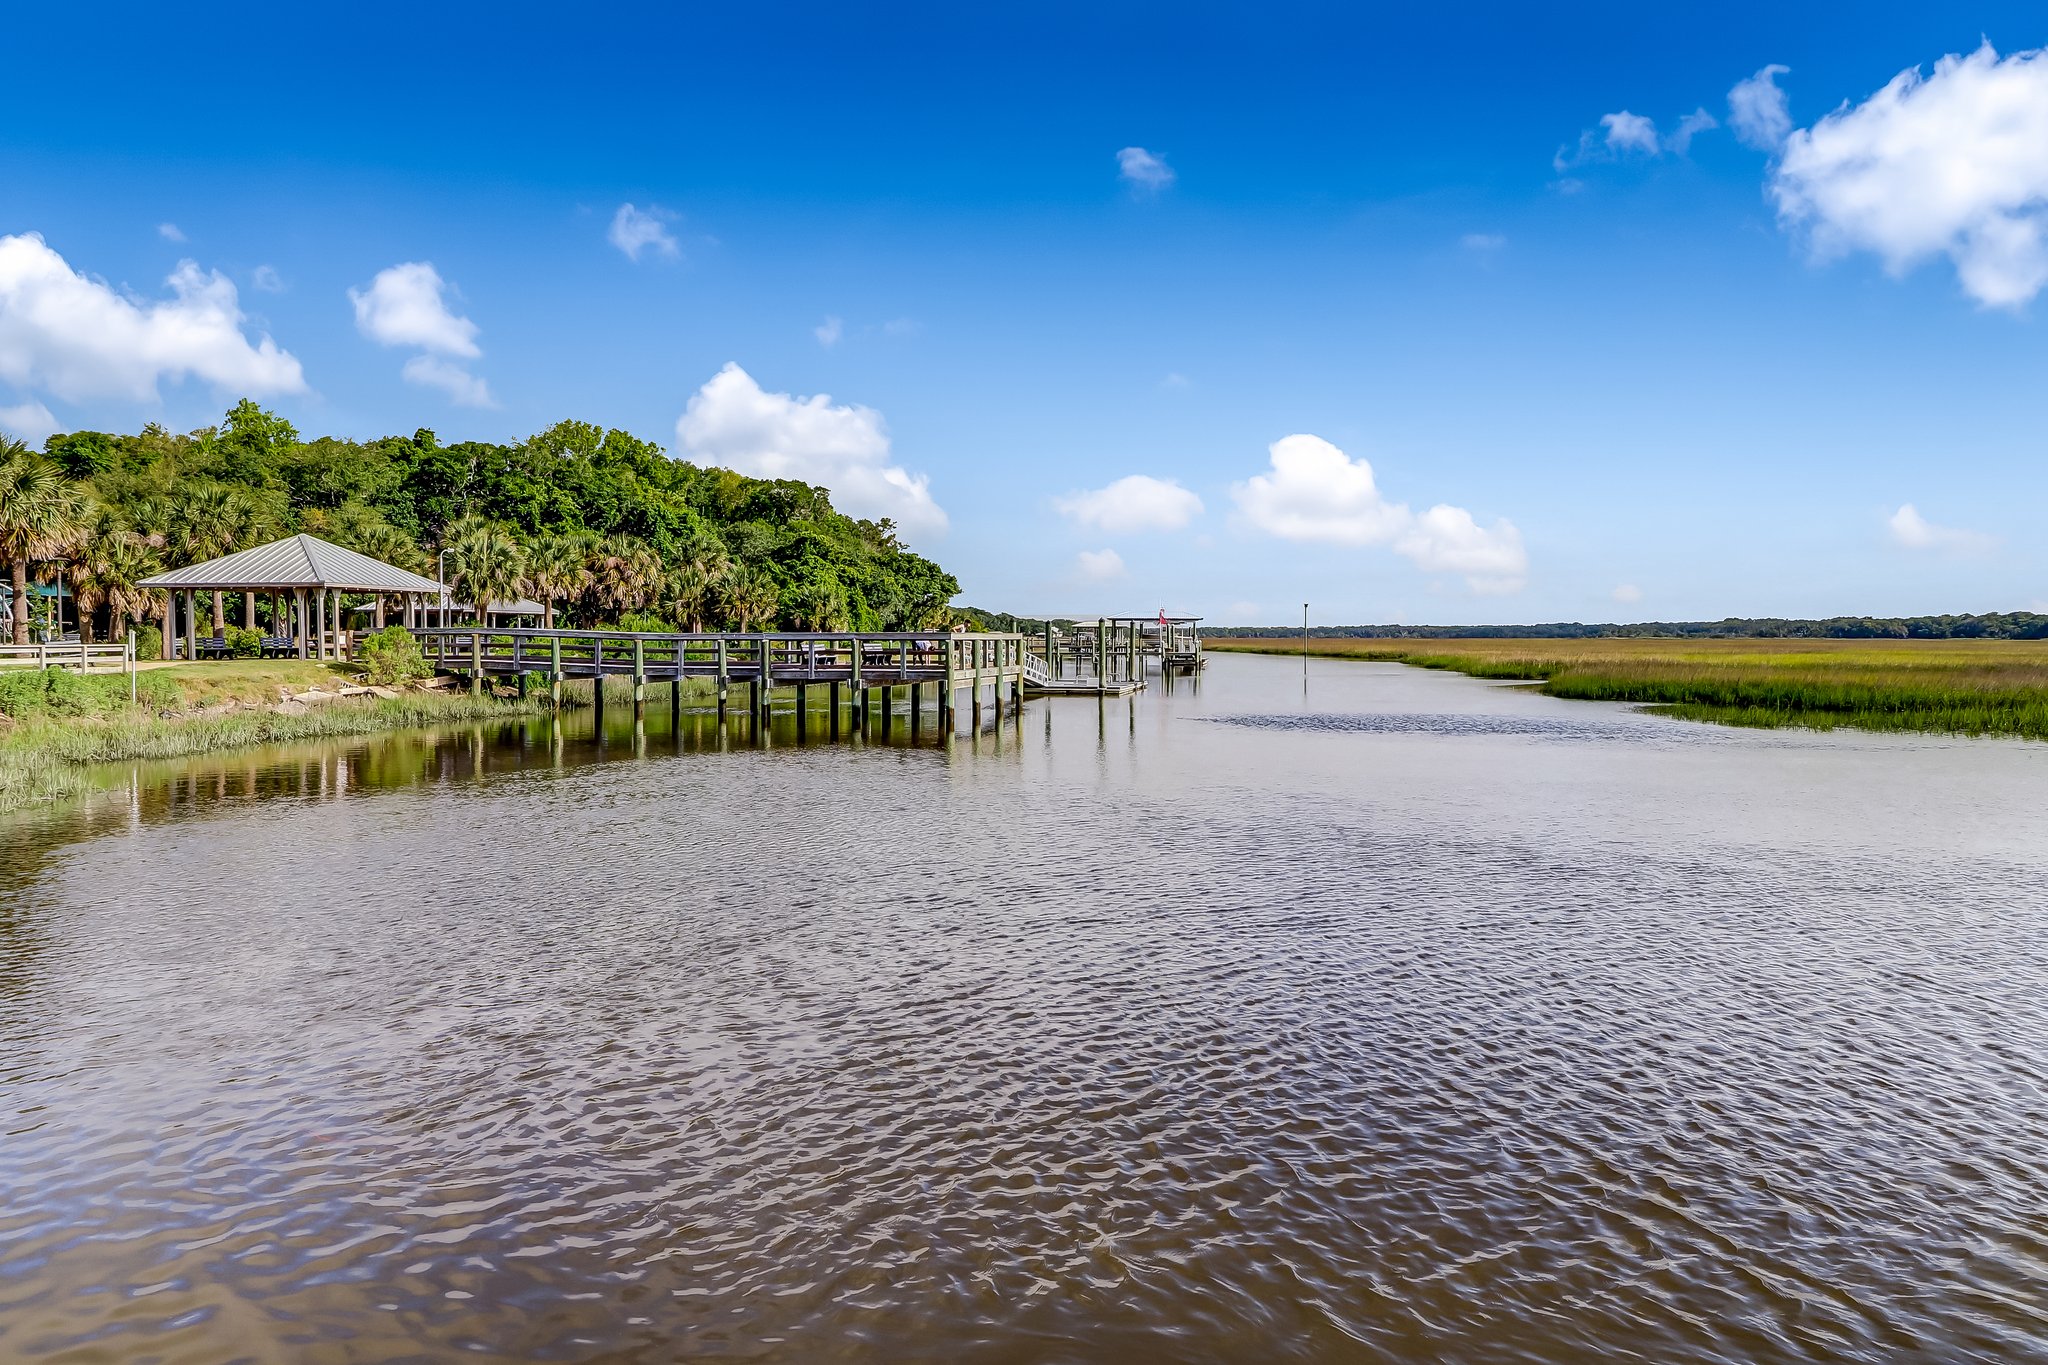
[[305, 579]]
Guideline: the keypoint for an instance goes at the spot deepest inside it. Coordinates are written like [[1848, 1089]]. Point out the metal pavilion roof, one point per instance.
[[299, 561]]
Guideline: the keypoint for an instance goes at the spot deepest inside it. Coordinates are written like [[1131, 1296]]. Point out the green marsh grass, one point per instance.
[[1963, 687]]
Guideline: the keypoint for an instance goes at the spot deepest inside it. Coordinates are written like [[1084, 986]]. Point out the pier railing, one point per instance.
[[779, 658]]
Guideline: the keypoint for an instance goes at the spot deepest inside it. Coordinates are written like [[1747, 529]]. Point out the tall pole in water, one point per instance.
[[1304, 649]]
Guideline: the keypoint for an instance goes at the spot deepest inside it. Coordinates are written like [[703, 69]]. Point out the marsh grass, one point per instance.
[[44, 759], [1965, 687]]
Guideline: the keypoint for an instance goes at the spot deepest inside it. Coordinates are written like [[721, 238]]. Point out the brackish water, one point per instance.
[[1348, 1013]]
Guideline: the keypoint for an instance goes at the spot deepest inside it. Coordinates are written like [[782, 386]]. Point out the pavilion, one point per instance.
[[306, 578]]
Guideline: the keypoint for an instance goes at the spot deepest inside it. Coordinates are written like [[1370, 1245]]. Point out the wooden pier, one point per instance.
[[1110, 655], [857, 670]]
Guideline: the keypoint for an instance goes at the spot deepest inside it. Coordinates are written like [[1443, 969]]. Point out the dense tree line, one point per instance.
[[597, 524], [1997, 625]]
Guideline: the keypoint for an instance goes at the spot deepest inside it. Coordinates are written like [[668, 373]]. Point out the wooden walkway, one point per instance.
[[864, 666]]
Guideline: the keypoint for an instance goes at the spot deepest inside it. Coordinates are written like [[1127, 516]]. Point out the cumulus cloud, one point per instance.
[[829, 331], [1314, 492], [1628, 132], [407, 305], [1623, 134], [1144, 170], [1757, 112], [1912, 531], [1098, 566], [1628, 594], [1136, 502], [635, 230], [78, 338], [462, 387], [266, 278], [30, 421], [731, 421], [1952, 164], [169, 232], [1691, 126]]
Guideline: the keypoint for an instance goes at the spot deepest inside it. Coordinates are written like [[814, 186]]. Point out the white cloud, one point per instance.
[[1628, 132], [169, 232], [404, 307], [30, 421], [1912, 531], [78, 338], [829, 331], [1136, 502], [1955, 163], [1144, 170], [266, 278], [462, 387], [1482, 243], [635, 230], [1315, 492], [731, 421], [1757, 111], [1691, 126], [1627, 594], [1098, 566]]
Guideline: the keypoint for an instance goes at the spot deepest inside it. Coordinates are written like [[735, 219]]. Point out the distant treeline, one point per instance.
[[1997, 625]]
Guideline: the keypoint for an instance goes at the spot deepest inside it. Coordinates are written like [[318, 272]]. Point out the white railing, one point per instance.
[[75, 655]]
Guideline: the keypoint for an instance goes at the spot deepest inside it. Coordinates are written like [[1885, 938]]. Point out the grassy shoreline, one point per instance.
[[50, 757], [1959, 687]]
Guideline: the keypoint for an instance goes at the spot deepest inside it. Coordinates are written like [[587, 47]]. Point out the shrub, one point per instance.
[[149, 642], [644, 622], [26, 692], [244, 642], [391, 656]]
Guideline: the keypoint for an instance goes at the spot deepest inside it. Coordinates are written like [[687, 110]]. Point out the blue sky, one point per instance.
[[1632, 381]]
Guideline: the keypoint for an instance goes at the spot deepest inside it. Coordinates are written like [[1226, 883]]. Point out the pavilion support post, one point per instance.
[[378, 618], [191, 625], [299, 621], [339, 652], [249, 611], [170, 650]]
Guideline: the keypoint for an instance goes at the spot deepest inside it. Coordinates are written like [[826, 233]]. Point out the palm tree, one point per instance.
[[818, 605], [485, 564], [107, 573], [747, 597], [213, 519], [690, 589], [625, 574], [41, 516], [557, 566]]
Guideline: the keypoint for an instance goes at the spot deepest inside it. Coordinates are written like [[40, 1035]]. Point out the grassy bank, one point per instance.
[[1966, 687], [54, 735]]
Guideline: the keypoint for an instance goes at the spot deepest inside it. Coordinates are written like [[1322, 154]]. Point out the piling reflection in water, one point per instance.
[[1441, 1022]]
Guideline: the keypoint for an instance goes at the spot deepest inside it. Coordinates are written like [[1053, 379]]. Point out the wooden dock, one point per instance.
[[858, 670]]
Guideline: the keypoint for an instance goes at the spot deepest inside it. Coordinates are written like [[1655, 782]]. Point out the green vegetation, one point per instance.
[[1976, 687], [392, 658], [46, 759], [593, 523], [1996, 625]]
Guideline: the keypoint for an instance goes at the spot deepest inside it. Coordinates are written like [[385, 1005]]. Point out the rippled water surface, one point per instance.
[[1355, 1013]]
